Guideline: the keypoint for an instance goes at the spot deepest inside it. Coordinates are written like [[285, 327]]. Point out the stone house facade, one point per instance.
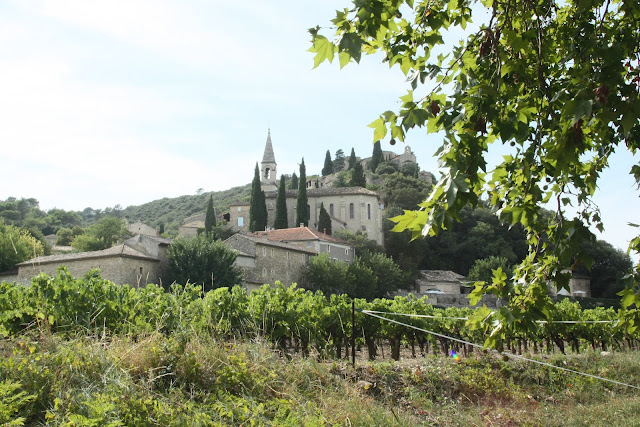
[[119, 264], [265, 261], [439, 282], [138, 261], [350, 208], [406, 157], [239, 216], [305, 237]]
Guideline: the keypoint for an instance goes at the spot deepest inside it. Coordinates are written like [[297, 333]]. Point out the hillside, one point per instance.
[[172, 211]]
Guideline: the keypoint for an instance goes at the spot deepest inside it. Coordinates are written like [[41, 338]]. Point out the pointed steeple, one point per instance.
[[268, 157], [269, 174]]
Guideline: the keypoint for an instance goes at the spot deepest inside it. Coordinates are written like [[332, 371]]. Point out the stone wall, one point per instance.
[[276, 263], [238, 211], [120, 270]]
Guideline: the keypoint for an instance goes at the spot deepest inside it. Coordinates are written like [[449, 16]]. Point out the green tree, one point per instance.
[[302, 209], [281, 220], [341, 179], [16, 245], [389, 276], [294, 182], [357, 176], [105, 233], [338, 161], [327, 276], [324, 221], [66, 235], [556, 83], [328, 165], [210, 217], [608, 269], [376, 157], [257, 207], [352, 159], [483, 269], [204, 261]]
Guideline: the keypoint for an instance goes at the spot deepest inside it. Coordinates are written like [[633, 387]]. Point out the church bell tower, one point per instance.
[[268, 178]]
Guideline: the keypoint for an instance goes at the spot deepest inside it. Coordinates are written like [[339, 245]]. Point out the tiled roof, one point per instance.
[[115, 251], [440, 276], [297, 234], [326, 191], [246, 243]]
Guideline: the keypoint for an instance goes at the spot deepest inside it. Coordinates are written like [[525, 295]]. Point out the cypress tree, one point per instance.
[[324, 221], [302, 212], [281, 207], [262, 220], [352, 159], [294, 182], [328, 165], [377, 157], [357, 176], [209, 218], [255, 209]]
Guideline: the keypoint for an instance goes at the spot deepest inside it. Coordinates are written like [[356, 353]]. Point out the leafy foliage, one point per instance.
[[281, 220], [294, 182], [16, 245], [258, 208], [324, 221], [328, 165], [210, 217], [203, 261], [338, 161], [357, 176], [302, 210], [105, 233], [376, 157], [556, 83]]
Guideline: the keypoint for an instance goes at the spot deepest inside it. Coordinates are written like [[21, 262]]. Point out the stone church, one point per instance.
[[350, 208]]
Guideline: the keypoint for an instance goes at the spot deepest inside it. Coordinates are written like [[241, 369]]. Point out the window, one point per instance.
[[351, 211], [288, 255], [270, 206], [240, 221], [368, 210], [272, 252], [264, 251], [308, 213], [346, 251], [239, 208], [264, 272], [331, 209]]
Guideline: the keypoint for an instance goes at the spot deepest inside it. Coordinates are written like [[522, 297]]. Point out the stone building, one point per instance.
[[579, 286], [350, 208], [266, 261], [239, 215], [136, 262], [305, 237], [140, 227], [439, 282], [191, 225]]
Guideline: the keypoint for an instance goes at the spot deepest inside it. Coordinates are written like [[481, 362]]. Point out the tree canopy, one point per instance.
[[102, 235], [204, 261], [324, 221], [16, 245], [555, 84], [210, 217], [357, 176]]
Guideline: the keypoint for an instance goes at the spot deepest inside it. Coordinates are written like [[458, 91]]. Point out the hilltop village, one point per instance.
[[280, 253]]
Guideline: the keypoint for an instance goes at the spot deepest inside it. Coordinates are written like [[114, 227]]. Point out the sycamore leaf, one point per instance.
[[379, 129], [324, 50]]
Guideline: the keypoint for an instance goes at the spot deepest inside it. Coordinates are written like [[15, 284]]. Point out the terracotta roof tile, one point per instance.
[[297, 234]]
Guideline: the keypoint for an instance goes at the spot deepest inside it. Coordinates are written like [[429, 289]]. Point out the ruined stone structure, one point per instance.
[[265, 261]]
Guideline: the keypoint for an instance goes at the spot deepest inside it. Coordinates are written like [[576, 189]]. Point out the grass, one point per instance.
[[194, 380]]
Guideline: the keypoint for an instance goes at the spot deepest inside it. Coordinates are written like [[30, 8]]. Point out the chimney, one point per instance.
[[302, 225], [324, 230]]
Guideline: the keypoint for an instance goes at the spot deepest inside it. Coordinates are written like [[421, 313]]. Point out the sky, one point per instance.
[[122, 102]]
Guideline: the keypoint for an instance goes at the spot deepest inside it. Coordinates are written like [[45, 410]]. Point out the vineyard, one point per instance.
[[86, 352], [292, 319]]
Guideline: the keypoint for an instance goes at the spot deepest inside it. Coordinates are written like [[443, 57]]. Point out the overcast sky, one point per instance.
[[128, 101]]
